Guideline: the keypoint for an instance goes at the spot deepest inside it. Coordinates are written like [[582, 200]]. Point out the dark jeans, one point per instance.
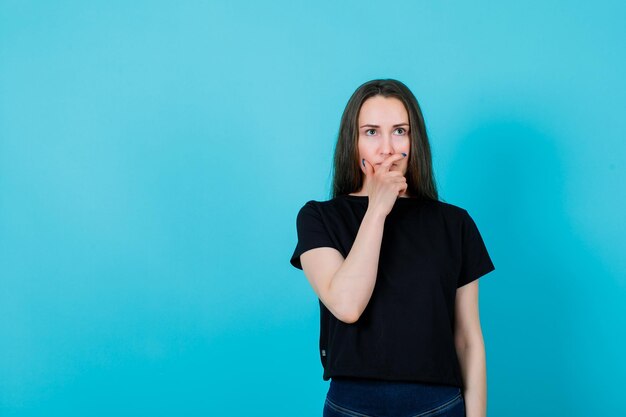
[[374, 398]]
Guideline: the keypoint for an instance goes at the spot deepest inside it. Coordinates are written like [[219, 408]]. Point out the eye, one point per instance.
[[370, 130], [402, 130]]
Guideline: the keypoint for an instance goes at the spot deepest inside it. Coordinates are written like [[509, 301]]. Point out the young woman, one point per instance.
[[395, 271]]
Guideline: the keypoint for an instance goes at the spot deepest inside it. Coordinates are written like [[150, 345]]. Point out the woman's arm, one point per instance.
[[470, 350], [346, 286]]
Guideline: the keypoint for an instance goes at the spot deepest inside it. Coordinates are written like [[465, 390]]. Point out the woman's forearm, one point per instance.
[[474, 370], [353, 283]]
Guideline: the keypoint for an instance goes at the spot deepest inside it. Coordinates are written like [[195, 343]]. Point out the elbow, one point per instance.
[[348, 315], [344, 306], [465, 344], [349, 318], [342, 311]]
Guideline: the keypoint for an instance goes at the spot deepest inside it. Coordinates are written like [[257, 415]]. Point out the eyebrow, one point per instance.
[[398, 125]]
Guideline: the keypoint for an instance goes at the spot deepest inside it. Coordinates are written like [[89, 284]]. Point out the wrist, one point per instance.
[[375, 215]]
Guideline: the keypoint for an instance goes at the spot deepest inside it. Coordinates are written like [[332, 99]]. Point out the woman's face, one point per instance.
[[383, 130]]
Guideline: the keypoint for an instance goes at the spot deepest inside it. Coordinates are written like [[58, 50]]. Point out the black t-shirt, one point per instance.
[[406, 333]]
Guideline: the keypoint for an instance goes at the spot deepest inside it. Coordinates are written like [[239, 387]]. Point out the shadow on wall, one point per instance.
[[551, 308]]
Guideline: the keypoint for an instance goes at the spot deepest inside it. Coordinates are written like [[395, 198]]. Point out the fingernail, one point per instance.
[[363, 160], [403, 154]]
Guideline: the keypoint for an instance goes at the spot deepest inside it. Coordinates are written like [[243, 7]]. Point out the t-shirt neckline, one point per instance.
[[366, 198]]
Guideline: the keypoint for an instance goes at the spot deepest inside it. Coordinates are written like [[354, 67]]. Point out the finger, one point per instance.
[[390, 160], [369, 169], [400, 182]]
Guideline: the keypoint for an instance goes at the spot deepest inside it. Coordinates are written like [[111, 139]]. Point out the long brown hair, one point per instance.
[[347, 175]]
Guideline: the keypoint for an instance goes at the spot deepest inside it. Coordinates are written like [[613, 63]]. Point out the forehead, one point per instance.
[[383, 109]]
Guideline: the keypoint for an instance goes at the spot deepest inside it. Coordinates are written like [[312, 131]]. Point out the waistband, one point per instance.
[[380, 395]]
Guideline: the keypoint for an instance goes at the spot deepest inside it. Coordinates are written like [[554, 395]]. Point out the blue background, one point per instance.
[[154, 155]]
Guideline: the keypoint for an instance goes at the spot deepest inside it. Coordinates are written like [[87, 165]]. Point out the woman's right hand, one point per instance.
[[383, 186]]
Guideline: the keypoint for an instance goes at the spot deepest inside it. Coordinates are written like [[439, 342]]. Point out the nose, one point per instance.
[[386, 148]]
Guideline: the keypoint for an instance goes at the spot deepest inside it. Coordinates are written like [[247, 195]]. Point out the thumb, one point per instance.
[[369, 169]]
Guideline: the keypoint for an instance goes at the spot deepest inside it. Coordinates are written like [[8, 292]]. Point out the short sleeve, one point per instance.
[[312, 233], [475, 259]]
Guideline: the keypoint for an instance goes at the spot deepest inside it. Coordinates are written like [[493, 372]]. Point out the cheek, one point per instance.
[[366, 151]]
